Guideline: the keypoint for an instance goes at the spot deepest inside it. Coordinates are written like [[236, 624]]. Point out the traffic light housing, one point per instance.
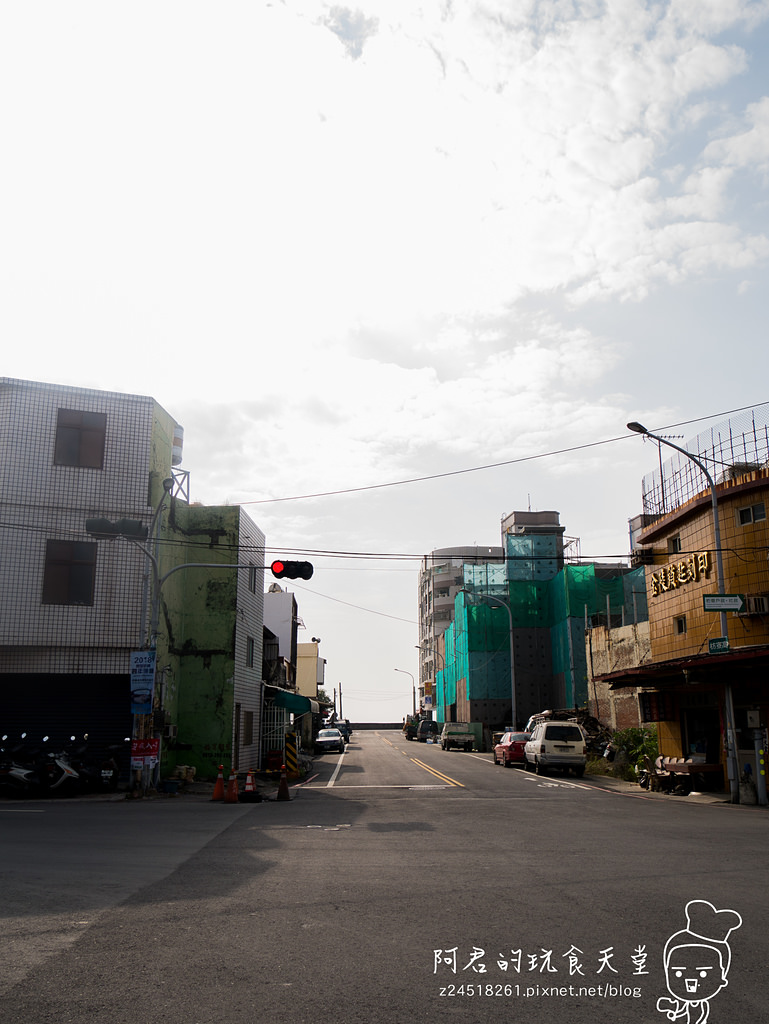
[[134, 529], [283, 570]]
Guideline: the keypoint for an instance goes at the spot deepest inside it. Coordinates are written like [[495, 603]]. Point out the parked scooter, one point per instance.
[[58, 774], [18, 777], [98, 770], [37, 771]]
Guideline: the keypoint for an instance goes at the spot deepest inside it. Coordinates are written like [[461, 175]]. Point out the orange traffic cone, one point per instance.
[[231, 796], [251, 794], [219, 787], [283, 793]]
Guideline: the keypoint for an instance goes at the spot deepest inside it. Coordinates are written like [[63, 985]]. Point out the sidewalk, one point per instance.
[[265, 786], [633, 789]]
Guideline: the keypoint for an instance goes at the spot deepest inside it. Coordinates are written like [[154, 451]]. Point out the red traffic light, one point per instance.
[[291, 570]]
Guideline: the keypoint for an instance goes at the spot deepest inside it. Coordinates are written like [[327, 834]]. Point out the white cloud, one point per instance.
[[347, 243], [748, 147]]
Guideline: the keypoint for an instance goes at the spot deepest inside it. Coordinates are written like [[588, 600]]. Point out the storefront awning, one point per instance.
[[294, 702], [711, 668]]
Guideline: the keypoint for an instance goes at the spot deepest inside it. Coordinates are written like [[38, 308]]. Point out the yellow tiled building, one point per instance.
[[684, 569], [696, 675]]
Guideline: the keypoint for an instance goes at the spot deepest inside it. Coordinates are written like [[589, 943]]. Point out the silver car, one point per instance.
[[329, 739]]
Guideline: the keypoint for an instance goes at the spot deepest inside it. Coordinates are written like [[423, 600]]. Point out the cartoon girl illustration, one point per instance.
[[697, 962]]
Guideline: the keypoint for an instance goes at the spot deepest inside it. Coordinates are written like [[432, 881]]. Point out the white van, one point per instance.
[[560, 745]]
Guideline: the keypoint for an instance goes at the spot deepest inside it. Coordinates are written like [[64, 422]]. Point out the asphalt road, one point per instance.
[[400, 883]]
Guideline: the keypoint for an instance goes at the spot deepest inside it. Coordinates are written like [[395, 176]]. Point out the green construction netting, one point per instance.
[[562, 603]]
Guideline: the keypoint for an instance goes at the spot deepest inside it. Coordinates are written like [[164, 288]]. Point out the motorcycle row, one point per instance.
[[28, 769]]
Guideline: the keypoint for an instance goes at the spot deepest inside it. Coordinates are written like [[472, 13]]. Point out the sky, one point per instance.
[[347, 247]]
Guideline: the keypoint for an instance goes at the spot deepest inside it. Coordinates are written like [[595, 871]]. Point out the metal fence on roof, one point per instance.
[[728, 449]]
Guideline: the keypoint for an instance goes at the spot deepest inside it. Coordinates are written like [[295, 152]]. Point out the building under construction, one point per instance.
[[538, 603]]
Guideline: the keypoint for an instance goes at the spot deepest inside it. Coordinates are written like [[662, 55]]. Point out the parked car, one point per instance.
[[427, 730], [510, 748], [457, 734], [561, 745], [410, 730], [343, 725], [329, 739]]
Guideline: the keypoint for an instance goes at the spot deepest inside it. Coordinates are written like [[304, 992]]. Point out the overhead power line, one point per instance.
[[492, 465]]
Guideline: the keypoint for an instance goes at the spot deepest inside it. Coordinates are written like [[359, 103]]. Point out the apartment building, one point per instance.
[[77, 600]]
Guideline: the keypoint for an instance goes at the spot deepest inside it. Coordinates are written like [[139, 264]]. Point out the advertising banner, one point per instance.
[[142, 681]]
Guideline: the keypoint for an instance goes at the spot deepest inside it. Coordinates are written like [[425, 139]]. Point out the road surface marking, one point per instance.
[[566, 785], [440, 775], [332, 780]]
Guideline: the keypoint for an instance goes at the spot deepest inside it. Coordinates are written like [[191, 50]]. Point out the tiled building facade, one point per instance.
[[702, 680], [73, 605]]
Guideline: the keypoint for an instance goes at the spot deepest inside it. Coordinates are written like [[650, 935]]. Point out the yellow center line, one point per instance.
[[440, 775]]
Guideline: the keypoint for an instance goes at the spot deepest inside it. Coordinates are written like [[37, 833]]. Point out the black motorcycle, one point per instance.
[[98, 768]]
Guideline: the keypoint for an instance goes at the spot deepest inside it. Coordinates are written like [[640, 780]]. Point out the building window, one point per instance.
[[751, 514], [252, 578], [674, 545], [656, 707], [80, 438], [681, 624], [250, 652], [70, 571]]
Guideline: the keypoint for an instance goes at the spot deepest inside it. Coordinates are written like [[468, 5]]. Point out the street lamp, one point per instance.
[[506, 606], [413, 687], [732, 766], [432, 650]]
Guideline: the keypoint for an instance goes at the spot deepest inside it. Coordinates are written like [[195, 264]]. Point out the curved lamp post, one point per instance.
[[732, 767], [432, 650], [506, 606], [413, 687]]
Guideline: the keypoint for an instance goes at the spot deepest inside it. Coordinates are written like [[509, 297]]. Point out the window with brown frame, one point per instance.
[[80, 438], [656, 707], [70, 571]]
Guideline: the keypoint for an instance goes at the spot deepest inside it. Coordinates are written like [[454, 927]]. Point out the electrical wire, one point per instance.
[[493, 465], [358, 607], [262, 551]]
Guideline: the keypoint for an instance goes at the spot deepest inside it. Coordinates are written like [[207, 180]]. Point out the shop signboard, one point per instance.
[[145, 753]]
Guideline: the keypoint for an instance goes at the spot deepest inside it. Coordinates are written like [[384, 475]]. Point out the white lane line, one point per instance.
[[332, 780], [556, 782]]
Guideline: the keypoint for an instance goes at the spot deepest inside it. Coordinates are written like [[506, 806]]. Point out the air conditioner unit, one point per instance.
[[755, 604]]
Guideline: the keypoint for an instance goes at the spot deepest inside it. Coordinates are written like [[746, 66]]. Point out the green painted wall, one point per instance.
[[197, 634]]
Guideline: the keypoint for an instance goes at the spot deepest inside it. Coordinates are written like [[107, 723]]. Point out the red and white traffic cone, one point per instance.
[[250, 787], [219, 786], [283, 793], [231, 796]]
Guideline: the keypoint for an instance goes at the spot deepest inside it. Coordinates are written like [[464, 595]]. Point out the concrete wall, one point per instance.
[[612, 650], [207, 618]]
